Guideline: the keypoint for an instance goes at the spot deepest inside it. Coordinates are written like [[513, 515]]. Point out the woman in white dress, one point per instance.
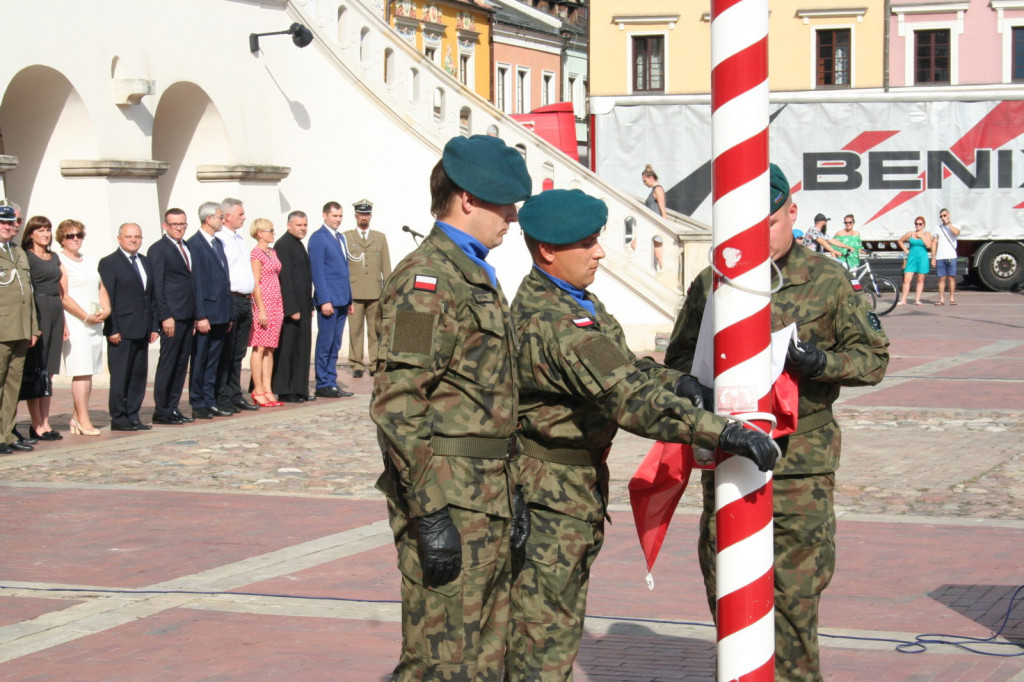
[[86, 305]]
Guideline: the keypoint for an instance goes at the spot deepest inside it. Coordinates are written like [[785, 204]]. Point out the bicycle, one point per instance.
[[881, 292]]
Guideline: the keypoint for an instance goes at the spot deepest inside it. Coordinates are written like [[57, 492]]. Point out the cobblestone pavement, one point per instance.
[[911, 456]]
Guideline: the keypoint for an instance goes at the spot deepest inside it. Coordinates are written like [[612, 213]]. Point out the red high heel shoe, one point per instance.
[[268, 403]]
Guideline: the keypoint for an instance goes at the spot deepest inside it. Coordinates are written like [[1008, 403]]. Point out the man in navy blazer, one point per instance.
[[175, 301], [332, 296], [213, 311], [130, 329]]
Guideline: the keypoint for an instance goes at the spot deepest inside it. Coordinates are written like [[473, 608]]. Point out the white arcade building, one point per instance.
[[115, 110]]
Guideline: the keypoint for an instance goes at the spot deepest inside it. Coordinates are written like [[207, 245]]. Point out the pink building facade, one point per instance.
[[963, 43]]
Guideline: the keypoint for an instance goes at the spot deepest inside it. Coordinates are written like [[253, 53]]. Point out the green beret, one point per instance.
[[779, 187], [562, 216], [487, 168]]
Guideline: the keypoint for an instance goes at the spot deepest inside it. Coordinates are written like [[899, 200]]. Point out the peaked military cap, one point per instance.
[[7, 214], [779, 188], [487, 168], [363, 206], [562, 216]]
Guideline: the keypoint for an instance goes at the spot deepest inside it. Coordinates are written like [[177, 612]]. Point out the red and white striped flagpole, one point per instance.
[[742, 324]]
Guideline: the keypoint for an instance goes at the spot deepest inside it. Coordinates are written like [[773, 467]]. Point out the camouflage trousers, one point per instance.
[[549, 596], [454, 632], [805, 559]]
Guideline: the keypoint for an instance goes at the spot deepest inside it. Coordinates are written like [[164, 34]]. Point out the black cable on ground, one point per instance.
[[918, 646]]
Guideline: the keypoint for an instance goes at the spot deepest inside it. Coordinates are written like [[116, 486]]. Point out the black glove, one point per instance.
[[520, 521], [754, 445], [805, 359], [702, 397], [440, 548]]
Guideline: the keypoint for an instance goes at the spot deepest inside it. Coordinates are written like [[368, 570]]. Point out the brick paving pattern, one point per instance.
[[255, 547]]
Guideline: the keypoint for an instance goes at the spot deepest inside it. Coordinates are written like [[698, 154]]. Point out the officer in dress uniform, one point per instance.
[[369, 267]]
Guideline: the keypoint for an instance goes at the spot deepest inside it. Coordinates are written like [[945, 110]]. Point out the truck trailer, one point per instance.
[[886, 158]]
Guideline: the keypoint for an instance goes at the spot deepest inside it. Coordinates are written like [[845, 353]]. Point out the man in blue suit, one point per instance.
[[213, 311], [332, 296]]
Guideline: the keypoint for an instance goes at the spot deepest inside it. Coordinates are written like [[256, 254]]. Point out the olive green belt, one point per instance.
[[812, 421], [579, 457], [474, 446]]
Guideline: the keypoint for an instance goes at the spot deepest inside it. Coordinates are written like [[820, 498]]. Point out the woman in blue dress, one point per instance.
[[916, 244]]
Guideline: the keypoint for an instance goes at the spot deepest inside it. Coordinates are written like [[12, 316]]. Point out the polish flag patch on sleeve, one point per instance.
[[856, 284], [425, 283], [583, 322]]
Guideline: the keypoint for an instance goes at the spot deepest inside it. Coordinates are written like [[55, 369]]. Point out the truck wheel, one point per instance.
[[1001, 266]]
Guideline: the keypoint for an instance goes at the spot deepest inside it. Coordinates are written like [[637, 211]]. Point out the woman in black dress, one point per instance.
[[46, 270]]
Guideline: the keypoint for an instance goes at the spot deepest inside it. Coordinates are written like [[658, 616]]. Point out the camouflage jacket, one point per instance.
[[579, 383], [817, 295], [445, 367]]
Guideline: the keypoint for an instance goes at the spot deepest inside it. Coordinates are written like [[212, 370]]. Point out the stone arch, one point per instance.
[[188, 131], [43, 121]]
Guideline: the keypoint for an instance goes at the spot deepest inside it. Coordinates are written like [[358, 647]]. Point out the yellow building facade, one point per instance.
[[455, 35], [663, 47]]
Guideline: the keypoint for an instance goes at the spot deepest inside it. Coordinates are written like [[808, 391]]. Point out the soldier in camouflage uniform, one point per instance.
[[841, 344], [445, 403], [579, 383]]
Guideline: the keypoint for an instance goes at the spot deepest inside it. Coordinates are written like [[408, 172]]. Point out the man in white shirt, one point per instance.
[[230, 396], [944, 257]]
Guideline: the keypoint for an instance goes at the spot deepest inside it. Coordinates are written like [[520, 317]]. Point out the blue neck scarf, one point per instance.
[[472, 247], [578, 295]]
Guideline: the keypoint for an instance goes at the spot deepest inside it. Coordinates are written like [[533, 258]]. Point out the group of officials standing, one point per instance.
[[495, 423], [202, 298], [196, 295]]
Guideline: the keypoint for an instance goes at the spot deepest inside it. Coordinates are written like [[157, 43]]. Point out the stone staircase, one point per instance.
[[428, 106]]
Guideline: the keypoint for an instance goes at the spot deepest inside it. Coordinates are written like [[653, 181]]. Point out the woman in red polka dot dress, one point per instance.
[[267, 312]]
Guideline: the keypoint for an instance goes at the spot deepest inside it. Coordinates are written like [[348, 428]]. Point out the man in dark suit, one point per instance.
[[131, 327], [236, 344], [213, 311], [332, 295], [175, 301], [291, 357]]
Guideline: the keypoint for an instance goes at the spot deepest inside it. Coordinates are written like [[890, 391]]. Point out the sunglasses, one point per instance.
[[919, 223], [75, 235]]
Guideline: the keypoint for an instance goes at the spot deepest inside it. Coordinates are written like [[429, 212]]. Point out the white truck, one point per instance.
[[884, 157]]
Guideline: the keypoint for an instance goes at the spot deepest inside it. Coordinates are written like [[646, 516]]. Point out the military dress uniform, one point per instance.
[[817, 295], [579, 383], [444, 401], [18, 325], [369, 267]]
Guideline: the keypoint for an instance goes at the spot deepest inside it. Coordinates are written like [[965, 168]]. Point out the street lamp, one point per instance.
[[301, 36]]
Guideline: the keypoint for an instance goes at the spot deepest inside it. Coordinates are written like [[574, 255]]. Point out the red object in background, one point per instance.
[[547, 184], [555, 123]]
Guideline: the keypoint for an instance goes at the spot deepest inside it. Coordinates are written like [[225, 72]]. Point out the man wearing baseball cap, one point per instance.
[[445, 403], [579, 383], [841, 343]]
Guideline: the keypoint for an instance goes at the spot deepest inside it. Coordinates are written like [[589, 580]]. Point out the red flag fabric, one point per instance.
[[654, 492], [660, 480]]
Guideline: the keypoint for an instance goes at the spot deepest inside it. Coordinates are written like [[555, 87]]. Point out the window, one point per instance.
[[649, 64], [522, 90], [547, 89], [501, 88], [1017, 54], [464, 69], [833, 58], [931, 56], [430, 53]]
